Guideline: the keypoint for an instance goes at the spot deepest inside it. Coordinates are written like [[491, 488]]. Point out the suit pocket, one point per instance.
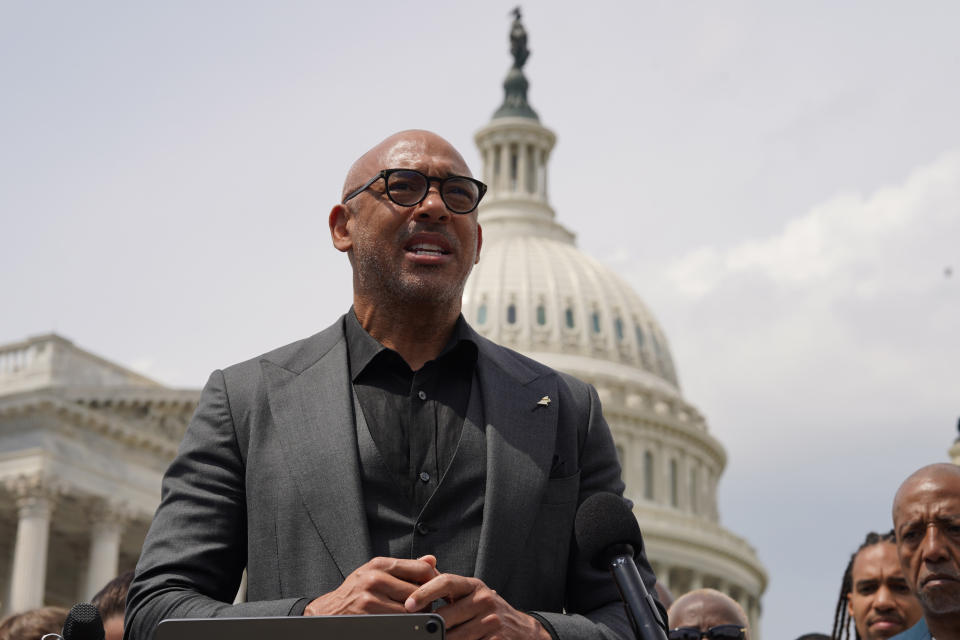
[[540, 579], [562, 490]]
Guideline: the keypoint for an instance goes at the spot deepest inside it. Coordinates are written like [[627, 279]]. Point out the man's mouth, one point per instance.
[[427, 249], [885, 622], [938, 579]]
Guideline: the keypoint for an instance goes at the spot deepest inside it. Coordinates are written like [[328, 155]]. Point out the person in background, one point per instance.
[[33, 624], [111, 602], [926, 520], [874, 594], [707, 613]]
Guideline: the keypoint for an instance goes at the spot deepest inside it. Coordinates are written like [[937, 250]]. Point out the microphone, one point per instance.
[[83, 623], [608, 535]]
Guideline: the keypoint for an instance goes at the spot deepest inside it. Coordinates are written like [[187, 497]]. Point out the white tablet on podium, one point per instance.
[[404, 626]]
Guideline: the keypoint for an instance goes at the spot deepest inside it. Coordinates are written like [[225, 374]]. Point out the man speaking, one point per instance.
[[395, 459]]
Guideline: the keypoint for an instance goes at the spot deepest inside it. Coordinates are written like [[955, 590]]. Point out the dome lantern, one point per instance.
[[515, 149], [515, 85]]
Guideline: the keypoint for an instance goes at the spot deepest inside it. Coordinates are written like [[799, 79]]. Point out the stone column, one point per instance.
[[753, 616], [723, 586], [539, 172], [6, 549], [663, 575], [523, 152], [696, 580], [35, 503], [487, 165], [107, 522], [503, 180]]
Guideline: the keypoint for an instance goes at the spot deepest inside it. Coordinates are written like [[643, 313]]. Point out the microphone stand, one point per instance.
[[640, 606]]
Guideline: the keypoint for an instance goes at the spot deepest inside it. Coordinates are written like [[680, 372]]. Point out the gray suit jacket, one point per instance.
[[267, 478]]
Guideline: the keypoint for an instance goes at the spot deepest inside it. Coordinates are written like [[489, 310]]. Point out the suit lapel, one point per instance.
[[313, 413], [520, 442]]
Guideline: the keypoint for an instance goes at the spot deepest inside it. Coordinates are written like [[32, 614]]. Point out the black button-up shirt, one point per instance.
[[414, 417]]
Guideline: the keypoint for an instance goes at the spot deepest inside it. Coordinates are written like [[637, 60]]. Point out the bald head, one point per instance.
[[926, 520], [929, 478], [400, 151], [706, 608]]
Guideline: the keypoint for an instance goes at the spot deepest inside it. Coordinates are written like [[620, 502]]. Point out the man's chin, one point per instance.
[[884, 631], [941, 597], [428, 289]]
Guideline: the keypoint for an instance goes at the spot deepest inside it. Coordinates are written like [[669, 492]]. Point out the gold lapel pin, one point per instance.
[[544, 401]]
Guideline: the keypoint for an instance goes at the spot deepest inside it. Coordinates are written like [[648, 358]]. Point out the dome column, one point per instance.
[[500, 172], [696, 580], [523, 165]]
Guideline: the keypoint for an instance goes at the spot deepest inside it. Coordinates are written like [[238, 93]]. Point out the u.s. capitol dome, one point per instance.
[[535, 291]]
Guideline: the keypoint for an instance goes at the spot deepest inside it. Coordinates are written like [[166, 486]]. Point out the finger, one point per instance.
[[415, 571], [473, 610], [429, 559], [445, 586]]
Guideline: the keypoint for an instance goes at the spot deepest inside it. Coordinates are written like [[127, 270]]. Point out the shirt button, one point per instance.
[[422, 528], [424, 476], [422, 395]]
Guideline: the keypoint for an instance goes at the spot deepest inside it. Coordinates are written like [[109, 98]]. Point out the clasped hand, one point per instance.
[[390, 585]]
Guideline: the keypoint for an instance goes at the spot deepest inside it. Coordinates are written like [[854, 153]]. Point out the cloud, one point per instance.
[[850, 244], [842, 319]]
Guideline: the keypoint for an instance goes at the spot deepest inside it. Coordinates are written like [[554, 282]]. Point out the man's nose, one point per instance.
[[883, 601], [433, 206], [934, 545]]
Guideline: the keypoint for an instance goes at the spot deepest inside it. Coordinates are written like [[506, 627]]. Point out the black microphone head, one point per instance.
[[605, 527], [83, 623]]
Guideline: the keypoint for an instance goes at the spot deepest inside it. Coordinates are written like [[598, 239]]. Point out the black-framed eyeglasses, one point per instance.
[[719, 632], [409, 187]]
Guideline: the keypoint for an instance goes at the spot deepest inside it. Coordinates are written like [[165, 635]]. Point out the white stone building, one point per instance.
[[535, 292], [83, 445]]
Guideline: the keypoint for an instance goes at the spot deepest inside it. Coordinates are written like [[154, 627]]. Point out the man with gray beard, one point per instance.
[[926, 520]]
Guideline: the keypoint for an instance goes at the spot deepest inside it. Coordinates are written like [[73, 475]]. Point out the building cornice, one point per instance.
[[95, 410]]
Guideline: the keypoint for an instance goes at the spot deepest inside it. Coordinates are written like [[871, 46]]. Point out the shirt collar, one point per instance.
[[362, 348]]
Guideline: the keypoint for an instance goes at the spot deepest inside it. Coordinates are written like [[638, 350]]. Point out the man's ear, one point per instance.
[[479, 243], [339, 231]]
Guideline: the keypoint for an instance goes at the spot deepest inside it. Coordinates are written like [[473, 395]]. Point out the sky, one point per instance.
[[780, 182]]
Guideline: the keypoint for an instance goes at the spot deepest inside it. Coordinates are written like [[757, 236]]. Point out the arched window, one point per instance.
[[674, 489], [569, 315], [618, 328], [541, 315], [482, 314], [596, 321], [512, 313], [639, 336], [648, 475]]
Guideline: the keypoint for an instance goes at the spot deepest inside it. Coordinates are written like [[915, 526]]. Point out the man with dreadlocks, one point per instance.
[[874, 593]]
